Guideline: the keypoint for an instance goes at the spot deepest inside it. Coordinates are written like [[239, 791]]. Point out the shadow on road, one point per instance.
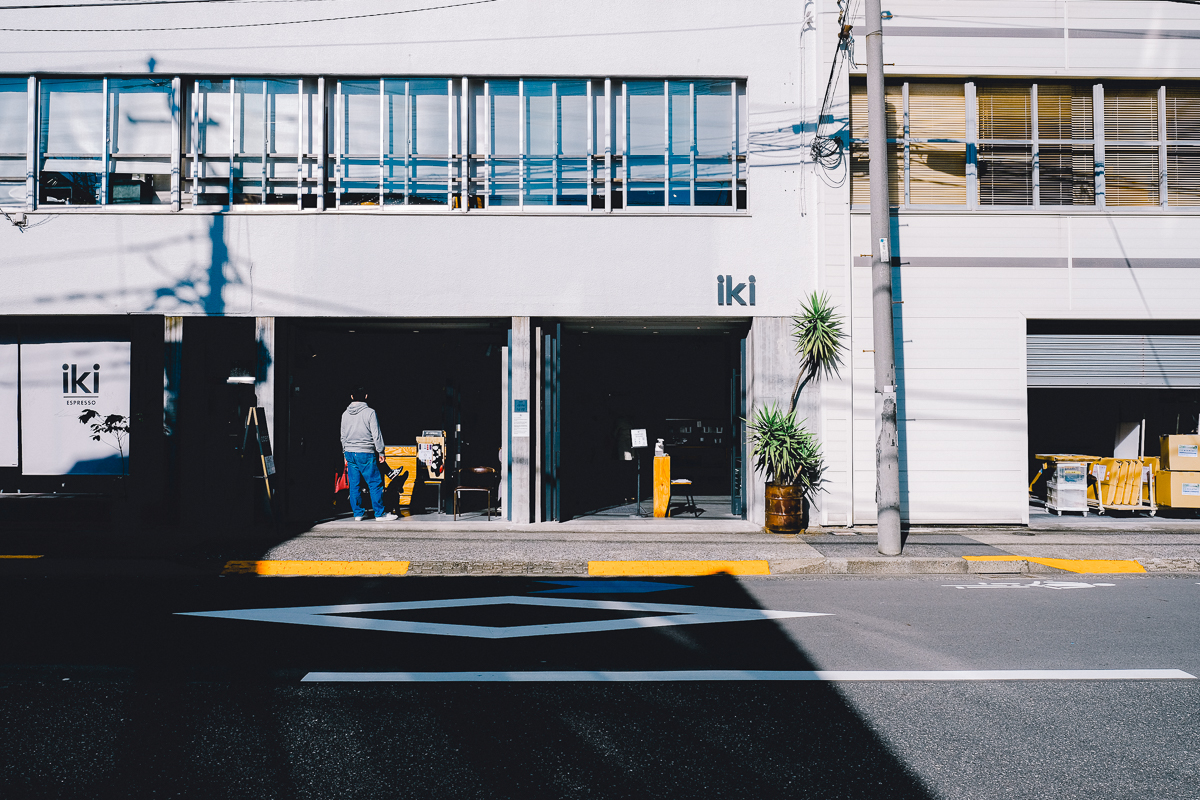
[[160, 704]]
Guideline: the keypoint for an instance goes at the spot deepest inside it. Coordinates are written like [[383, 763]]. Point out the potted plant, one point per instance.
[[789, 457]]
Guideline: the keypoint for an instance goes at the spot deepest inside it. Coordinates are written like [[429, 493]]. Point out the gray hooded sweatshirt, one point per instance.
[[360, 430]]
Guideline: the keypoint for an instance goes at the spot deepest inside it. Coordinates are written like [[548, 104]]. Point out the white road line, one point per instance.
[[549, 676]]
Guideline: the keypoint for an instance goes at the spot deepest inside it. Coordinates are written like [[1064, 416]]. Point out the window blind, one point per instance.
[[860, 181], [937, 170], [1004, 112], [1067, 175], [1064, 111], [1183, 176], [1131, 175], [1005, 174], [1183, 112], [1130, 113]]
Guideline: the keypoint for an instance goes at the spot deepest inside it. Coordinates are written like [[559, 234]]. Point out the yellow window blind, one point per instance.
[[1064, 111], [893, 97], [860, 181], [937, 111], [1005, 174], [1183, 176], [1067, 175], [1130, 112], [937, 174], [1130, 174], [1004, 112], [1183, 112]]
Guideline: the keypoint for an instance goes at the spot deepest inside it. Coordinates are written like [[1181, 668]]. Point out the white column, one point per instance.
[[770, 375], [264, 373], [522, 462]]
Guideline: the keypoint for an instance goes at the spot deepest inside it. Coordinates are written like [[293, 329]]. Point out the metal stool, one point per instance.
[[686, 486]]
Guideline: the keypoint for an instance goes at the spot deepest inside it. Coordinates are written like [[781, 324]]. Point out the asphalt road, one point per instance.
[[117, 688]]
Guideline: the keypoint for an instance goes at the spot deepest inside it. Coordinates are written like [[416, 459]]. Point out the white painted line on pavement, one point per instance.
[[332, 616], [750, 675]]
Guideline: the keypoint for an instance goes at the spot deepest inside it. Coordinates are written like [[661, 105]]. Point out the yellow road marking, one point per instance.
[[678, 567], [1084, 566], [326, 568], [20, 556]]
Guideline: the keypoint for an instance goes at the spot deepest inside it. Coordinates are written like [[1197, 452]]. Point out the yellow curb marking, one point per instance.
[[678, 567], [326, 568], [1083, 566], [20, 556]]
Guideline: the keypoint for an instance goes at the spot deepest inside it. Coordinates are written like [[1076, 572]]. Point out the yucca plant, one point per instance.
[[785, 451], [819, 338]]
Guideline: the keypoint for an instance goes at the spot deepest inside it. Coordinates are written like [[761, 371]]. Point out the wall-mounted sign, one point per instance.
[[8, 405], [520, 418], [729, 293], [59, 381], [638, 437]]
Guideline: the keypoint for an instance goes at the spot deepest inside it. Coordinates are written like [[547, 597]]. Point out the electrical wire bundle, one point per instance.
[[828, 151]]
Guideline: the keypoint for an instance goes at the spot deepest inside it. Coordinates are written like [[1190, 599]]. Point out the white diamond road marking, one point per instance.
[[1034, 585], [329, 616]]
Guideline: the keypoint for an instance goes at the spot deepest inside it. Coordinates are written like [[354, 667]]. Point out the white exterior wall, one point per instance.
[[960, 330]]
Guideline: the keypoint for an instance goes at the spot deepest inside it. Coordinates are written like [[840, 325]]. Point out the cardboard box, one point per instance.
[[1178, 489], [1180, 452]]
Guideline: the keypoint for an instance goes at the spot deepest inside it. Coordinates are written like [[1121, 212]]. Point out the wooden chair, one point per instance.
[[685, 488], [478, 479]]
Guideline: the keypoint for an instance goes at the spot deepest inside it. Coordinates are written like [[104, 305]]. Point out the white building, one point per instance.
[[599, 214]]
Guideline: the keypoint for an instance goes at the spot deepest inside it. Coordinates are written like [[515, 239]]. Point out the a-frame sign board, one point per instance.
[[265, 468]]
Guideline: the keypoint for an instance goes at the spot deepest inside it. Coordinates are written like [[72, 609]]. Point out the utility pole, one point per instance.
[[887, 450]]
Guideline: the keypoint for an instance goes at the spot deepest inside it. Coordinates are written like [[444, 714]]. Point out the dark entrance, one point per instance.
[[420, 375], [679, 381]]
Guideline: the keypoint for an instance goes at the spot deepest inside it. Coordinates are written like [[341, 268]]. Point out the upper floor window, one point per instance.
[[1005, 143], [14, 113], [253, 141], [105, 141], [374, 143]]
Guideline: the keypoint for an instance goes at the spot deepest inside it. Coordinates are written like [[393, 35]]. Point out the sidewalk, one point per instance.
[[595, 546], [648, 547]]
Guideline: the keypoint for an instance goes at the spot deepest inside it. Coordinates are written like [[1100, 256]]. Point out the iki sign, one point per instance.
[[74, 381], [729, 293]]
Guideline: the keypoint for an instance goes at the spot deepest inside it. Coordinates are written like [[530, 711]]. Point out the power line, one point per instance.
[[244, 24], [147, 3]]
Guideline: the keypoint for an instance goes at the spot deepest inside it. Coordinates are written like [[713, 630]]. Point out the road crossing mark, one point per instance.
[[603, 676], [1033, 585], [331, 616]]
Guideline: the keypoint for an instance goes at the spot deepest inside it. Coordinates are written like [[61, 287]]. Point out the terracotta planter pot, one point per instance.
[[786, 510]]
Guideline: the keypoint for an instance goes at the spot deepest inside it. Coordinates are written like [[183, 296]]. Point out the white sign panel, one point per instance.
[[8, 405], [59, 381]]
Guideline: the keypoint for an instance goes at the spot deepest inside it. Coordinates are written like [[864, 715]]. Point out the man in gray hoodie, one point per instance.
[[362, 444]]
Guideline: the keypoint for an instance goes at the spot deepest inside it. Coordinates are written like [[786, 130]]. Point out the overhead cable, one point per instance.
[[247, 24], [111, 3]]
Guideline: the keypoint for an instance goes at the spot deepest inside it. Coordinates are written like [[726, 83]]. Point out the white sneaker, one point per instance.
[[386, 518], [358, 519]]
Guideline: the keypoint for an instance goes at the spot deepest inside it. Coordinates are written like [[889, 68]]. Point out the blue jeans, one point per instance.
[[364, 465]]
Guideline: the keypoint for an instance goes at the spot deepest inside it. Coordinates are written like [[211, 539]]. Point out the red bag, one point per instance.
[[341, 480]]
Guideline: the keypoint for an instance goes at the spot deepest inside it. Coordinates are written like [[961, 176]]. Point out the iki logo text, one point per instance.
[[75, 381], [728, 293]]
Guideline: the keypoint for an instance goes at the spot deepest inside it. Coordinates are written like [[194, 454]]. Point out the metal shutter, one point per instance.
[[1060, 360]]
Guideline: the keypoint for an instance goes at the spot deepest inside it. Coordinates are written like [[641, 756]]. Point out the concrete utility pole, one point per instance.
[[887, 451]]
